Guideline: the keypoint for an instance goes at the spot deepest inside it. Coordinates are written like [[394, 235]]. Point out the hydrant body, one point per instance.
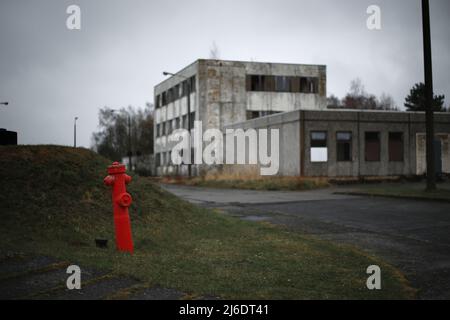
[[117, 178]]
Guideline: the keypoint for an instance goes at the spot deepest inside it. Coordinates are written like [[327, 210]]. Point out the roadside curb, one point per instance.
[[357, 193]]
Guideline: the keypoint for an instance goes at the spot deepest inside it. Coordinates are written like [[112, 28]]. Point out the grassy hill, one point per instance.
[[53, 202]]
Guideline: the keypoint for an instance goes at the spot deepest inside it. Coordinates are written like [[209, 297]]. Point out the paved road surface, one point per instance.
[[412, 235]]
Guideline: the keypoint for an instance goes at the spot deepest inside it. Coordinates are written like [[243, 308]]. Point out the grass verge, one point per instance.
[[247, 177], [53, 203]]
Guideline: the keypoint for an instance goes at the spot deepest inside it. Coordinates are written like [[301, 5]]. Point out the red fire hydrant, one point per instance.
[[117, 178]]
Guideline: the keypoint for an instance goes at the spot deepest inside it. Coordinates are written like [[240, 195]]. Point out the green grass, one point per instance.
[[53, 202], [405, 190]]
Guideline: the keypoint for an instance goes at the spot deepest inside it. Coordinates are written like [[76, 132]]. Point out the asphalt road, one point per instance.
[[412, 235]]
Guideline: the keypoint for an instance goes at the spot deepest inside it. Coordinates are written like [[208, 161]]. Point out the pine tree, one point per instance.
[[415, 101]]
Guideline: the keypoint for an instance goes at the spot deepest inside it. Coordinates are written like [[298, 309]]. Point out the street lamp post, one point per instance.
[[129, 142], [188, 93], [75, 132], [431, 173], [4, 103]]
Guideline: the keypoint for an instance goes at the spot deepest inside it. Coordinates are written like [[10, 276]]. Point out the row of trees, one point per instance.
[[124, 131], [358, 98]]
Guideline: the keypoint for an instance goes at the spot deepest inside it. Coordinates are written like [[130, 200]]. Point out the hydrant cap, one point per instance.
[[125, 199], [116, 168]]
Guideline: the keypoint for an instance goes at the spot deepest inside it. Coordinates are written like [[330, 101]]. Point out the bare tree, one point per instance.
[[386, 102], [357, 88], [113, 138], [358, 98], [214, 52], [333, 102]]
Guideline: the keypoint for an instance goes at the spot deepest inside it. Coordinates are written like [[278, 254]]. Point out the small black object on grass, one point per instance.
[[101, 243]]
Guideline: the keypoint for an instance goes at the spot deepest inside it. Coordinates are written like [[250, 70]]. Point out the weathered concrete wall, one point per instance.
[[221, 98], [284, 101], [221, 93], [174, 109], [295, 144], [359, 122], [289, 132]]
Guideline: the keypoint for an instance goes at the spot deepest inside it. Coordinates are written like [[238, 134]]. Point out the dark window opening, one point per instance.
[[309, 85], [344, 146], [169, 95], [257, 83], [192, 79], [158, 128], [282, 84], [158, 159], [372, 142], [294, 84], [176, 92], [169, 127], [396, 146], [318, 139], [259, 114], [192, 119], [303, 85], [164, 98]]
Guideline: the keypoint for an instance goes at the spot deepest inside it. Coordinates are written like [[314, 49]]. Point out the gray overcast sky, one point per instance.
[[50, 74]]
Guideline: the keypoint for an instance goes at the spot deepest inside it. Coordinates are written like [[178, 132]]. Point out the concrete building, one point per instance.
[[351, 143], [314, 141], [226, 92], [8, 137]]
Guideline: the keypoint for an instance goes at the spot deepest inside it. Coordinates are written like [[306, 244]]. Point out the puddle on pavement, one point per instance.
[[255, 218]]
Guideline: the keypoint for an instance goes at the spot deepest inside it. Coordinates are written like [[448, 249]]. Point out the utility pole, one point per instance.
[[129, 142], [75, 132], [431, 171]]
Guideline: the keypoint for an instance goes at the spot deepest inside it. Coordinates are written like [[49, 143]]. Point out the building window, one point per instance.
[[185, 126], [169, 127], [184, 88], [257, 83], [282, 84], [395, 146], [192, 79], [158, 101], [319, 150], [372, 142], [309, 85], [163, 129], [177, 123], [175, 92], [344, 146], [158, 159], [294, 84], [158, 127], [164, 98], [170, 95]]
